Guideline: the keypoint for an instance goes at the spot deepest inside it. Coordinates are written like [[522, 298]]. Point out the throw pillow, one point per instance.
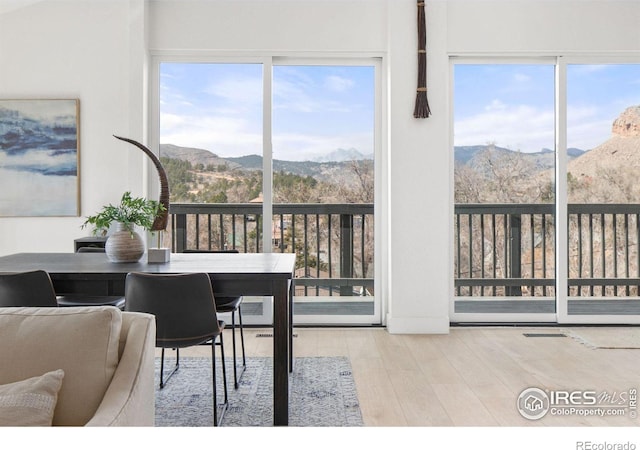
[[30, 402]]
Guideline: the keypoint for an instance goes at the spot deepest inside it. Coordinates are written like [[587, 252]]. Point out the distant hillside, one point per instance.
[[464, 154], [544, 159], [620, 152], [304, 168], [334, 172], [341, 155], [194, 156], [249, 162], [617, 153], [335, 162], [322, 171]]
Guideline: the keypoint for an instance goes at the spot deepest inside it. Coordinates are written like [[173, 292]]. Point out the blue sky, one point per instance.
[[316, 109], [319, 109], [513, 105]]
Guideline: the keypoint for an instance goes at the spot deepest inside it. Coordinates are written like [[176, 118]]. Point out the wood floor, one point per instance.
[[470, 377]]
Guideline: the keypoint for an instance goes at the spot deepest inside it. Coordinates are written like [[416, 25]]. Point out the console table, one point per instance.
[[89, 241], [261, 274]]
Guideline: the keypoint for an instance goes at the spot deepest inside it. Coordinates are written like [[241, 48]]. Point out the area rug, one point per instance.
[[322, 394], [607, 337]]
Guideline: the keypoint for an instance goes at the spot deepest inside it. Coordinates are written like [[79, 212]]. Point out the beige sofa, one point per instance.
[[76, 366]]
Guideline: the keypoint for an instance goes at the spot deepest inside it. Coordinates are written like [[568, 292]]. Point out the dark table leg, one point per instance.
[[291, 292], [281, 352]]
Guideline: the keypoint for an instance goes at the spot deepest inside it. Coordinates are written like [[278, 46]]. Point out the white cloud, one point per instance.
[[521, 78], [171, 121], [296, 147], [529, 129], [519, 127], [495, 105], [586, 127], [225, 136], [246, 90], [296, 92], [292, 96], [338, 84]]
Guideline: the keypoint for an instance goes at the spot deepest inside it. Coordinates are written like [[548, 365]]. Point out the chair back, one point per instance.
[[183, 305], [33, 288]]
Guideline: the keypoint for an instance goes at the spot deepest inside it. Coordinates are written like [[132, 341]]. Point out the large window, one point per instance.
[[547, 224], [323, 122], [603, 141], [504, 152], [277, 155], [211, 131]]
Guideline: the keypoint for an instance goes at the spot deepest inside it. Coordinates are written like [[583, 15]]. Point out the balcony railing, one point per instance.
[[506, 250], [333, 242], [501, 250]]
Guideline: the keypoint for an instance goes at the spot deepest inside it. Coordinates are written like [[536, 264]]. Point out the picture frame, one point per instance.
[[39, 157]]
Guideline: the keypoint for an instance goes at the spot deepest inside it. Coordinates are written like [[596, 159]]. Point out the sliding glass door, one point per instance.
[[324, 137], [504, 157], [547, 206], [603, 194], [277, 155]]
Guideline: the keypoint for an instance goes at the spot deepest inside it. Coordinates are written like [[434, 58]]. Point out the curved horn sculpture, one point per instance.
[[160, 223]]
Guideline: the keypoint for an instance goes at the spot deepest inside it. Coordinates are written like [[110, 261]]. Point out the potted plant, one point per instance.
[[125, 244]]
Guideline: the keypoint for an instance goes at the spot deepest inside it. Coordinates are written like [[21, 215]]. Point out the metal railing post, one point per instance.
[[181, 233], [307, 237], [346, 251], [515, 252]]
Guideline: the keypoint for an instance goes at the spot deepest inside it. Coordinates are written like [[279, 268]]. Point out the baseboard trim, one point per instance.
[[417, 325]]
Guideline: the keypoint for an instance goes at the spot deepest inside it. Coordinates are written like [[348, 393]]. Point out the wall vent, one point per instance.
[[270, 335], [544, 335]]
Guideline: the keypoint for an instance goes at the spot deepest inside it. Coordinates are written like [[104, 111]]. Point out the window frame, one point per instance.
[[560, 62], [380, 148]]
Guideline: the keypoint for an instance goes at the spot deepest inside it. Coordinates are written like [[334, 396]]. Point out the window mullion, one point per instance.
[[562, 262], [267, 156]]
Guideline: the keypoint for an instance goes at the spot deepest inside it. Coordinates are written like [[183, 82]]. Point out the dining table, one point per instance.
[[232, 274]]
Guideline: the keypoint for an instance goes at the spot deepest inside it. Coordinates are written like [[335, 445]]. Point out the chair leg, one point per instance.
[[233, 346], [217, 418], [213, 376], [224, 371], [244, 359], [236, 377], [163, 381]]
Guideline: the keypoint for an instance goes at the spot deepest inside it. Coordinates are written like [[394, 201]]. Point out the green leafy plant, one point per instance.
[[130, 212]]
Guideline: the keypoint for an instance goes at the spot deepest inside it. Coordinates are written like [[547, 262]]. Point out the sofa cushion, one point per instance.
[[30, 402], [82, 341]]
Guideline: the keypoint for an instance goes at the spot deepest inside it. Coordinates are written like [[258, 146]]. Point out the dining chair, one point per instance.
[[91, 300], [231, 304], [185, 313], [32, 288]]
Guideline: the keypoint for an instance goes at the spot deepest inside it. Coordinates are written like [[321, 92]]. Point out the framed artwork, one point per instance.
[[39, 158]]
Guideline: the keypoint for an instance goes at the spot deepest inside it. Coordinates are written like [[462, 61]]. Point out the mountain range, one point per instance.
[[320, 170], [622, 149], [544, 159]]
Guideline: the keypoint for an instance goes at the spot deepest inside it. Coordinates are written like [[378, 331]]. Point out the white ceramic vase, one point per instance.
[[124, 246]]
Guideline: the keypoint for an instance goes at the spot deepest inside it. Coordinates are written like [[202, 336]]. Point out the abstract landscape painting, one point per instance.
[[39, 155]]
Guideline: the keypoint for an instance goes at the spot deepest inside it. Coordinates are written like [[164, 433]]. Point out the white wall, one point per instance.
[[553, 27], [96, 51], [420, 175], [73, 49], [276, 26]]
